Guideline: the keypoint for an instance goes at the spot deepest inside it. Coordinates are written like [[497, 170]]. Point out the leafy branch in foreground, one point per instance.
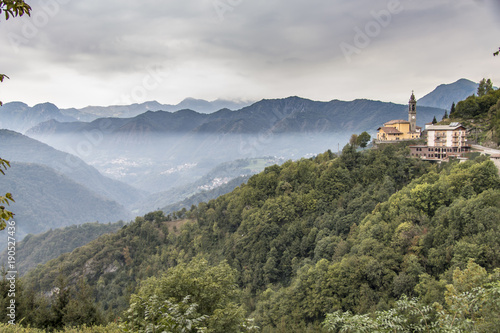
[[408, 316], [166, 316], [472, 305], [3, 77], [14, 8]]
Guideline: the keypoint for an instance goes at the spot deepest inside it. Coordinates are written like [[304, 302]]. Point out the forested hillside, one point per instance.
[[299, 241], [46, 199], [480, 113], [38, 249]]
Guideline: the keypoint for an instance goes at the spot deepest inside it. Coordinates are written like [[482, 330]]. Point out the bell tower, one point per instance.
[[412, 113]]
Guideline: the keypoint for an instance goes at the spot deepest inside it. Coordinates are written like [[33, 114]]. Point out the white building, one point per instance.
[[453, 135], [443, 141]]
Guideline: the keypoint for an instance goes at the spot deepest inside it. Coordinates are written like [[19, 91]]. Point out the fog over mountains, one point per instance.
[[158, 150], [20, 148], [146, 156]]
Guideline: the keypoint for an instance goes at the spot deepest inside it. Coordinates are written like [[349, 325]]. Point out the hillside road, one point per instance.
[[489, 151]]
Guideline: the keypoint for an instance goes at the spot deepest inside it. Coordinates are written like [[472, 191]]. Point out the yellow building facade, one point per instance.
[[399, 130]]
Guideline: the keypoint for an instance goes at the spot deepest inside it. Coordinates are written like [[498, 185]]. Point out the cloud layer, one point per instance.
[[76, 53]]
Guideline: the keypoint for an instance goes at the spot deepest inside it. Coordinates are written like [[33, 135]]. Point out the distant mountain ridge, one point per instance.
[[19, 117], [288, 115], [90, 113], [446, 94]]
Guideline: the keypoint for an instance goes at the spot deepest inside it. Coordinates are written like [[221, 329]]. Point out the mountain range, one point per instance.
[[279, 116], [20, 117], [90, 113], [156, 151]]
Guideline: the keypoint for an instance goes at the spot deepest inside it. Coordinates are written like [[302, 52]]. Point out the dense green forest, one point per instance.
[[480, 113], [298, 244]]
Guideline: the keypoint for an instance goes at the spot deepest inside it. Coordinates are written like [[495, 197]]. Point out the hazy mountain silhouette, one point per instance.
[[446, 94]]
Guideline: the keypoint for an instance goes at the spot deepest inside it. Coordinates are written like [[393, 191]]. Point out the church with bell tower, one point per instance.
[[401, 130], [412, 113]]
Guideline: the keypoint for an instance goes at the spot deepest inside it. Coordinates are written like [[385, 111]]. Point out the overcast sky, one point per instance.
[[76, 53]]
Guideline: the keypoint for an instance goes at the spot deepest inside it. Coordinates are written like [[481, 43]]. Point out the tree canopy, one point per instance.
[[485, 87]]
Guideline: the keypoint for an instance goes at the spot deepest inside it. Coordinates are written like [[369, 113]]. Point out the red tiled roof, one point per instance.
[[390, 130]]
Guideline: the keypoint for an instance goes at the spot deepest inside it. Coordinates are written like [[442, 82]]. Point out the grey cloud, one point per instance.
[[273, 40]]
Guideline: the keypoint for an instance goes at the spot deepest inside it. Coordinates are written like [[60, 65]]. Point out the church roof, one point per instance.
[[398, 121], [390, 130]]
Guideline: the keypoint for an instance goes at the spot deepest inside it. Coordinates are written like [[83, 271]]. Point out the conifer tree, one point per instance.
[[452, 110]]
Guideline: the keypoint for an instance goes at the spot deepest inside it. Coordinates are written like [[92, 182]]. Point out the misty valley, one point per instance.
[[269, 218]]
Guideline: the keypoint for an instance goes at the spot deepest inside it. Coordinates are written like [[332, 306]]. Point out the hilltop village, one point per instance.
[[443, 141]]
